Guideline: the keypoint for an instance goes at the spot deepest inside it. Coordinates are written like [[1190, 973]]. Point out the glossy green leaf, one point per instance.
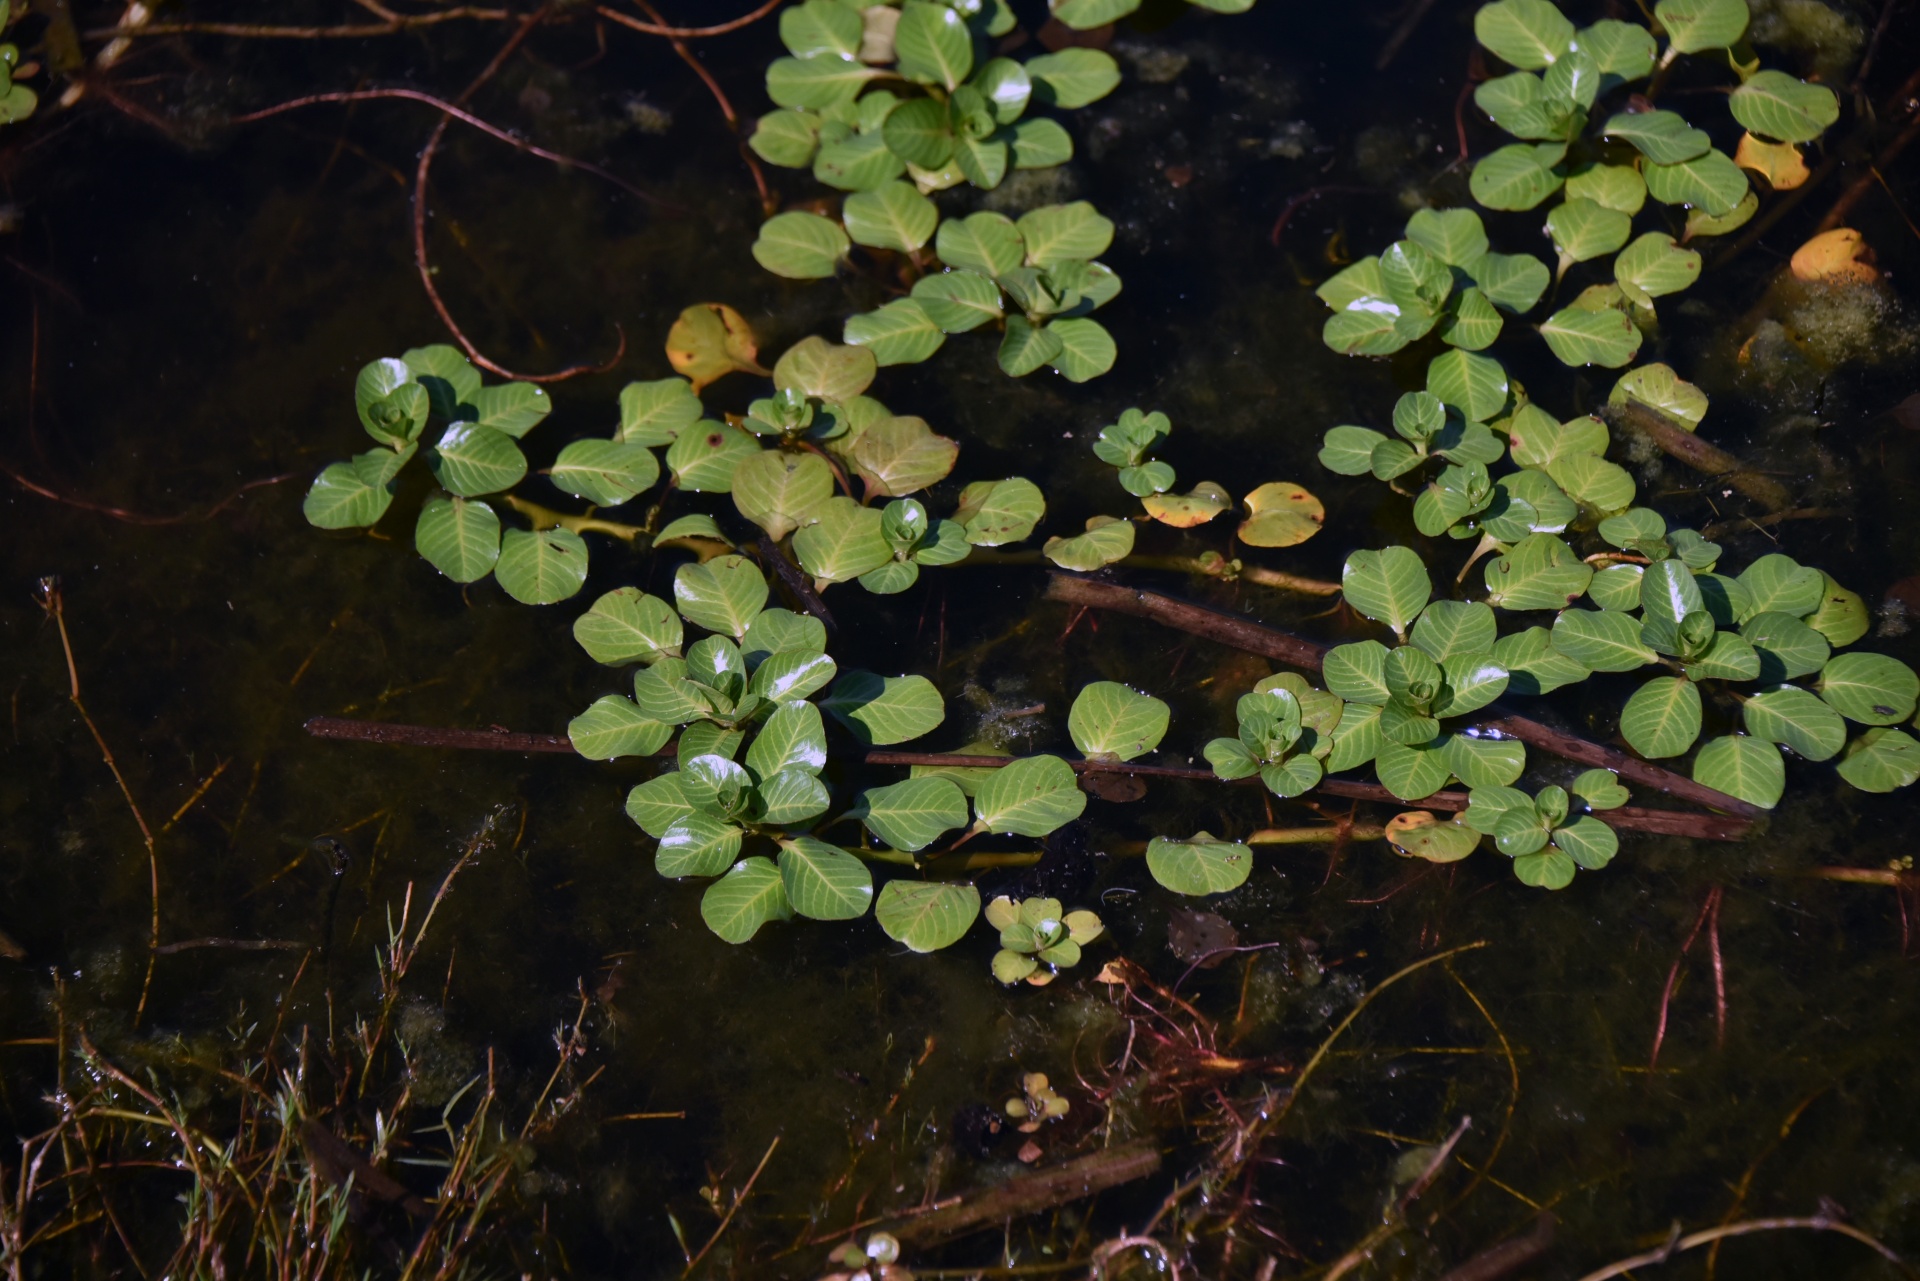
[[1472, 681], [1882, 760], [1697, 25], [1743, 766], [1349, 450], [958, 301], [1039, 143], [1517, 176], [1086, 349], [1600, 789], [1777, 106], [986, 242], [995, 512], [1534, 665], [918, 131], [626, 626], [786, 138], [1007, 87], [614, 727], [449, 377], [1449, 627], [512, 408], [1073, 77], [1476, 385], [1623, 50], [790, 675], [1795, 718], [900, 332], [1588, 842], [1480, 761], [842, 542], [1617, 187], [1110, 722], [1663, 137], [539, 567], [1413, 772], [1027, 347], [747, 897], [704, 459], [1526, 33], [1580, 337], [1059, 233], [1419, 834], [800, 245], [605, 472], [1390, 586], [823, 882], [1471, 322], [932, 44], [1780, 584], [821, 26], [1583, 229], [899, 455], [913, 814], [1841, 617], [722, 595], [1601, 640], [777, 490], [1787, 647], [655, 413], [1512, 282], [792, 739], [1084, 15], [1202, 864], [471, 460], [1872, 689], [459, 537], [1107, 539], [1454, 236], [1655, 266], [1539, 572], [925, 916], [657, 804], [1712, 182], [1031, 797], [1357, 672], [883, 710], [697, 845], [893, 216], [1663, 717]]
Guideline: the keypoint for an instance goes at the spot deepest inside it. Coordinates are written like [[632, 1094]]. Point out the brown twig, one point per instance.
[[1245, 634], [767, 203], [1707, 909], [1030, 1194], [498, 740], [1677, 442], [1813, 1223], [684, 33], [54, 604], [254, 31], [140, 518], [739, 1199]]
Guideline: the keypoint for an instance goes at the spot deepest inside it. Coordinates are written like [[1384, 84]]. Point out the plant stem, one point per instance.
[[1814, 1223], [1030, 1194]]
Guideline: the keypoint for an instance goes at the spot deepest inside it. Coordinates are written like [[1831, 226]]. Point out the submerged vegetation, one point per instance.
[[740, 545]]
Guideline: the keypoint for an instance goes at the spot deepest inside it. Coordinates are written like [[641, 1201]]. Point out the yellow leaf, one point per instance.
[[709, 340], [1837, 255], [1281, 514], [1780, 163], [1420, 834], [1184, 511]]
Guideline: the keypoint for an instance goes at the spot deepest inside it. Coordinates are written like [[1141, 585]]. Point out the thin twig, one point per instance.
[[739, 1198], [1673, 976], [685, 33], [1813, 1223]]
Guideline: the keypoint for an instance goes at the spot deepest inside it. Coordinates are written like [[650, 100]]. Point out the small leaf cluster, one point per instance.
[[1286, 732], [1036, 278], [17, 102], [1038, 939], [1542, 836]]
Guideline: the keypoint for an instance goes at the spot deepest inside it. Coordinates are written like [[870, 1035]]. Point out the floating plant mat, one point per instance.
[[875, 471]]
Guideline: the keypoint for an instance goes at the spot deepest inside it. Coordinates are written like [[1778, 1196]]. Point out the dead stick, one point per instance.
[[1245, 634], [1030, 1194], [1710, 827], [1813, 1223], [1677, 442]]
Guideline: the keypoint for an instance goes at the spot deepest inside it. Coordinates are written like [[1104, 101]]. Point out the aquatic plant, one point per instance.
[[17, 101]]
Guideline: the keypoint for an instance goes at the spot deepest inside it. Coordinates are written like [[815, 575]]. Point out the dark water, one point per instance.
[[184, 314]]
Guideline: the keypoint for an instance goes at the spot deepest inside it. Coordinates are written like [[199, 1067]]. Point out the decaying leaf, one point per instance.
[[710, 340], [1839, 255], [1780, 163], [1184, 511], [1281, 514]]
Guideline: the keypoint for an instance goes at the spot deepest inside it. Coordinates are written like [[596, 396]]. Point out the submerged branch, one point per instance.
[[1254, 638], [1717, 464], [1029, 1194]]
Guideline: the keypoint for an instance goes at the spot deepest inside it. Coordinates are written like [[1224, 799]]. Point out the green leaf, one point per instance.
[[625, 626], [1870, 688], [1624, 50], [1712, 182], [471, 460], [1777, 106], [790, 675], [898, 455], [1604, 486], [1517, 176], [1473, 681], [663, 693], [1795, 718], [1390, 586], [1601, 640], [995, 512], [1655, 266], [1533, 665], [1471, 322], [786, 138], [1787, 647], [1512, 282], [1357, 739], [459, 537], [605, 472], [1110, 722], [1659, 388], [883, 710], [1663, 717], [986, 242], [1729, 659], [1547, 869], [1749, 768], [513, 408], [800, 245], [792, 739], [824, 882], [1539, 572], [714, 784], [1418, 834], [1476, 385], [1040, 143], [1086, 349], [1031, 797], [1073, 77], [911, 815], [926, 916], [1615, 186], [447, 374], [1523, 106], [658, 803], [1600, 789], [1588, 842], [1007, 87], [1580, 337], [706, 738], [1669, 592], [1780, 584], [1526, 33], [821, 26], [704, 459], [1450, 627], [932, 44], [1882, 760], [1295, 776], [1084, 15], [747, 897], [539, 567], [1583, 229], [1108, 539], [697, 845], [655, 413], [815, 367], [1663, 137], [1697, 25], [614, 727], [918, 132], [1060, 233], [1842, 616], [861, 162], [958, 301], [1484, 762], [1027, 346], [778, 490], [842, 542], [1454, 236], [1701, 223], [892, 216], [1357, 672], [818, 82], [1201, 864], [775, 631], [1413, 772], [1349, 450], [722, 595]]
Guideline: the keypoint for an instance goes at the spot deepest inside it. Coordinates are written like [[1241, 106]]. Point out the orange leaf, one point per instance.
[[1837, 255], [710, 340], [1780, 163]]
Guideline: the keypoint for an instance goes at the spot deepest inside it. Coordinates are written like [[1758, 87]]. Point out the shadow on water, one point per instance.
[[184, 316]]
